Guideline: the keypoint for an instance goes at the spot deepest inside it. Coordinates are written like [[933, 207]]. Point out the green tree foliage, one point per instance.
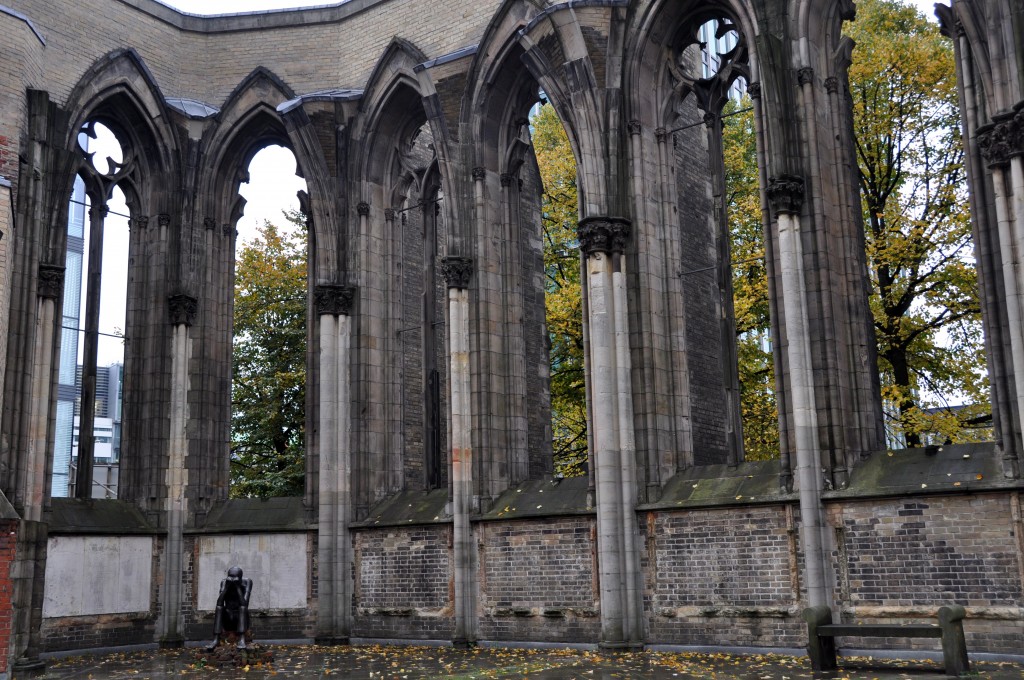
[[927, 314], [268, 390], [562, 291], [750, 284]]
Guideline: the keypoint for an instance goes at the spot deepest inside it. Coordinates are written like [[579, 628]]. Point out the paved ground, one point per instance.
[[401, 663]]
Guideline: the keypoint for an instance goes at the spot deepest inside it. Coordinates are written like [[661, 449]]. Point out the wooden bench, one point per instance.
[[822, 634]]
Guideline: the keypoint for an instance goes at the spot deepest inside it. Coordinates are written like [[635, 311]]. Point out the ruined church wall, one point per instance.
[[713, 576], [208, 66]]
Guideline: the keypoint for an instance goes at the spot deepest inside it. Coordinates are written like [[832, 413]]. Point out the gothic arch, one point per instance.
[[120, 92], [393, 151]]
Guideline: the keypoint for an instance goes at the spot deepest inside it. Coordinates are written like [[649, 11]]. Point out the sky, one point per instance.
[[233, 6]]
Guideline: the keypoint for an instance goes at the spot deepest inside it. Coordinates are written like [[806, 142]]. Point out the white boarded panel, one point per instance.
[[276, 563], [88, 575]]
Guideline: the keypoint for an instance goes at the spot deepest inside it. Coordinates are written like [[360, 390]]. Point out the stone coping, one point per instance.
[[408, 508], [255, 515], [28, 22], [97, 517]]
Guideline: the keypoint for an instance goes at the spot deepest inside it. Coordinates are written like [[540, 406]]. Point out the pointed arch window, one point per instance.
[[91, 369]]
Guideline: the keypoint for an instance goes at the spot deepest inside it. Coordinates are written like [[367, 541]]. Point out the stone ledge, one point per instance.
[[727, 612]]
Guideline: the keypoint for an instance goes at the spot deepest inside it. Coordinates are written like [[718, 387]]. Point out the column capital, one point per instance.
[[163, 220], [457, 271], [603, 235], [1003, 138], [786, 194], [634, 127], [754, 90], [334, 299], [363, 208], [832, 85], [805, 75], [389, 214], [142, 222], [183, 308], [210, 223], [479, 174], [50, 281]]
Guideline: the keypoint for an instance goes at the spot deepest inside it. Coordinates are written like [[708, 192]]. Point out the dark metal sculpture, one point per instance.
[[232, 608]]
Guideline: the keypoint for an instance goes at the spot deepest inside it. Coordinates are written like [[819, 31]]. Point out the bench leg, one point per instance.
[[821, 650], [954, 646], [954, 650]]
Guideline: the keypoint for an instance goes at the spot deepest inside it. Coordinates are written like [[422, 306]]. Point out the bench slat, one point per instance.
[[880, 630]]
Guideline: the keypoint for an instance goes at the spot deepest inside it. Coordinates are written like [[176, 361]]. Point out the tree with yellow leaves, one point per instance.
[[564, 306], [268, 389], [924, 297]]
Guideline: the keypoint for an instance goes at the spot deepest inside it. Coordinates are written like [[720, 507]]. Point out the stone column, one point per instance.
[[334, 604], [183, 309], [603, 241], [393, 473], [1002, 145], [29, 568], [457, 273], [786, 194], [51, 287]]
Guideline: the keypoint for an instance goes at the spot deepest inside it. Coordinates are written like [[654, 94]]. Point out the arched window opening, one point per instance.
[[708, 72], [269, 343], [563, 294], [91, 371], [417, 203], [925, 297]]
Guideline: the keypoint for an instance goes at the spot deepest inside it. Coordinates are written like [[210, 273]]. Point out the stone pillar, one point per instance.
[[1002, 145], [334, 603], [603, 241], [183, 314], [51, 287], [457, 273], [29, 568], [786, 195]]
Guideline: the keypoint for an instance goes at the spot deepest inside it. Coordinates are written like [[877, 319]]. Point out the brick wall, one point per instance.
[[723, 574], [403, 582], [209, 66], [538, 581], [6, 265], [8, 550], [702, 300], [713, 576], [913, 556]]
